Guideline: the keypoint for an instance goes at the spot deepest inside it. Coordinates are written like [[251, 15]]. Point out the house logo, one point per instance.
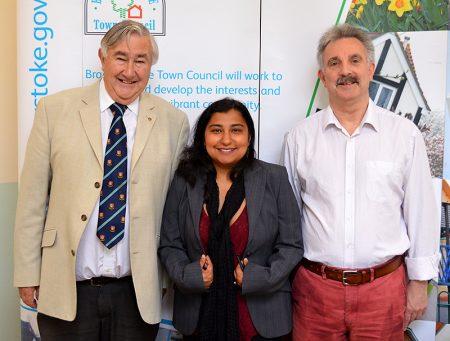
[[101, 15], [135, 12]]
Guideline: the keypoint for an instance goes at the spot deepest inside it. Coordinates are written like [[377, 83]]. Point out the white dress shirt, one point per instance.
[[93, 258], [364, 198]]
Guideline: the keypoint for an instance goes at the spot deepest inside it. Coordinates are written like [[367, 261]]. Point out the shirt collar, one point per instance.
[[106, 101], [370, 118]]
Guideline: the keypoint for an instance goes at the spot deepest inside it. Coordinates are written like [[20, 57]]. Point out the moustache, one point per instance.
[[347, 80]]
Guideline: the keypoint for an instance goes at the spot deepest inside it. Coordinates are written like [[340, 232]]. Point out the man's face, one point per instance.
[[346, 73], [126, 68]]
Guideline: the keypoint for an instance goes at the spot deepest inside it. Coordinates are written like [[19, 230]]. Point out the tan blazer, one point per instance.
[[58, 191]]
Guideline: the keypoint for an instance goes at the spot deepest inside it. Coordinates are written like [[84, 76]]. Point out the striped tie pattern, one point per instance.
[[113, 195]]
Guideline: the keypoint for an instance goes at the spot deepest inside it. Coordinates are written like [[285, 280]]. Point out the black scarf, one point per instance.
[[220, 320]]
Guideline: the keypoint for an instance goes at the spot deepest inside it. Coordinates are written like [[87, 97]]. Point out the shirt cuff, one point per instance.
[[423, 268]]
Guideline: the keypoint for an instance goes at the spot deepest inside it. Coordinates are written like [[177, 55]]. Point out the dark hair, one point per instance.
[[195, 157]]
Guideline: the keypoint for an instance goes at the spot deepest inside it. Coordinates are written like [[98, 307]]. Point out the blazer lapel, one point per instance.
[[195, 196], [145, 122], [90, 118], [254, 182]]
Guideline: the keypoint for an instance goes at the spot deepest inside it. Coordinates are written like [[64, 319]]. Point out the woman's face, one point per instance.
[[226, 139]]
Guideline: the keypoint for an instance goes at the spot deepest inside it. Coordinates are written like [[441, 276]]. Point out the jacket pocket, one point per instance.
[[48, 238]]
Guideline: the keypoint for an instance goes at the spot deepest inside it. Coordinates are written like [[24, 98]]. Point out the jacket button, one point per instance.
[[72, 252], [83, 217], [97, 185]]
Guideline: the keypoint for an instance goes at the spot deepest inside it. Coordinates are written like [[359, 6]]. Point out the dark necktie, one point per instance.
[[113, 196]]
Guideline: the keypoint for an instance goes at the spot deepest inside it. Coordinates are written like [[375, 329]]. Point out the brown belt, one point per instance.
[[353, 277]]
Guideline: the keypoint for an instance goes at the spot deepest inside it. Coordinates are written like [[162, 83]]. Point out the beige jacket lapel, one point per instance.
[[145, 122], [90, 117]]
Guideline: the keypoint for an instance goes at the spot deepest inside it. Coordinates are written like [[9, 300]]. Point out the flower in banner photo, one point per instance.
[[399, 15]]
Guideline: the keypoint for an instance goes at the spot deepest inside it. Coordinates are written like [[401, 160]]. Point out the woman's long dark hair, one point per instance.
[[195, 156]]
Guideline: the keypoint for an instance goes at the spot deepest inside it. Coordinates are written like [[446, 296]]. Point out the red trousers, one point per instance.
[[328, 310]]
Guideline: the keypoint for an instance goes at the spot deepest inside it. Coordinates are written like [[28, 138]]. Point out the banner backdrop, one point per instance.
[[260, 52]]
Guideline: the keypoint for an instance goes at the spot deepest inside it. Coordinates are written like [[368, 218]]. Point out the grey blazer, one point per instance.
[[274, 248]]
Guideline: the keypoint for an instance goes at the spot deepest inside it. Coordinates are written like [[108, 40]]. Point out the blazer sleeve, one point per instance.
[[32, 202], [287, 249], [172, 250]]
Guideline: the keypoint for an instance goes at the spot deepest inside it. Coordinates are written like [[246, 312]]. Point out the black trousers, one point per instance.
[[104, 313]]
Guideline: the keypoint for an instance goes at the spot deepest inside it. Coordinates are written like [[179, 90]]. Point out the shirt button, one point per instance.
[[83, 217], [97, 185], [72, 252]]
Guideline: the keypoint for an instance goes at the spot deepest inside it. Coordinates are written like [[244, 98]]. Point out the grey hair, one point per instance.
[[123, 30], [345, 31]]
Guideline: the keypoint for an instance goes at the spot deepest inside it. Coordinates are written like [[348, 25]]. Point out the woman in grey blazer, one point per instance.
[[230, 234]]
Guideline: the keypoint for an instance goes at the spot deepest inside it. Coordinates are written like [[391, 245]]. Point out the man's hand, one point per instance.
[[416, 301], [29, 296]]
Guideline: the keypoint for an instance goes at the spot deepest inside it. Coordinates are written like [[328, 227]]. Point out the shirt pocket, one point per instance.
[[384, 181]]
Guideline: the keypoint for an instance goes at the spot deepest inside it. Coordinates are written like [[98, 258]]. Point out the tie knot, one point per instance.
[[117, 108]]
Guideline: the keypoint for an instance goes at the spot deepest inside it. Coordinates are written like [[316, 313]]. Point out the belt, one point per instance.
[[353, 277], [99, 281]]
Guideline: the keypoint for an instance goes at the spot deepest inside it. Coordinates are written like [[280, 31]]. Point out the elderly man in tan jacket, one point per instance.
[[90, 268]]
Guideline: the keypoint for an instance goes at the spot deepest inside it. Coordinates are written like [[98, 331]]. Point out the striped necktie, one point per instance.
[[113, 196]]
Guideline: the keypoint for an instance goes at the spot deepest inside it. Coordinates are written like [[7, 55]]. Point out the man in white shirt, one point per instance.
[[98, 165], [369, 215]]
